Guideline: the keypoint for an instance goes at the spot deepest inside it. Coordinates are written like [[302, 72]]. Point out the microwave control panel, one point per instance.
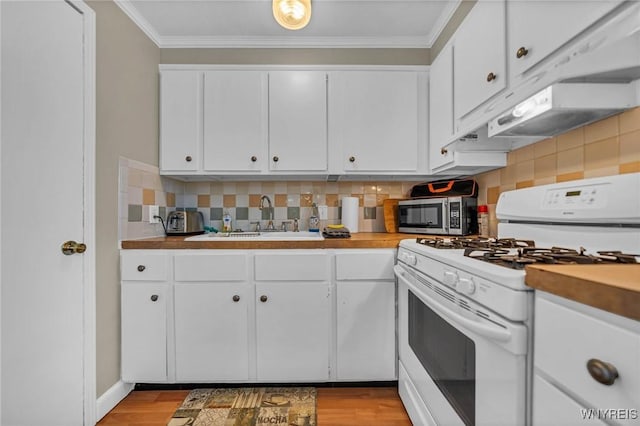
[[576, 198]]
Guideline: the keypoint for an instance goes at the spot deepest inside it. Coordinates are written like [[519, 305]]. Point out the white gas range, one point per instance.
[[465, 313]]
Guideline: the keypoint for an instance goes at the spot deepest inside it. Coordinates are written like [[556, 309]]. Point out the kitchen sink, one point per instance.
[[259, 236]]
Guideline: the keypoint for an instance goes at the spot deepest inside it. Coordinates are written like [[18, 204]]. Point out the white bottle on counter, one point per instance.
[[226, 222], [483, 220]]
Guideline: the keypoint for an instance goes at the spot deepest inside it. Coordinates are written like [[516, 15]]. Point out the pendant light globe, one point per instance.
[[292, 14]]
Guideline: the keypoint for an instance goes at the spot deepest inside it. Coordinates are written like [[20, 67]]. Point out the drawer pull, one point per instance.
[[491, 76], [154, 297], [236, 298], [141, 268], [522, 52], [602, 372], [188, 158], [263, 298]]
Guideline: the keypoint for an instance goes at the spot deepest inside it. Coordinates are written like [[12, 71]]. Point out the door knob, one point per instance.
[[521, 52], [71, 247]]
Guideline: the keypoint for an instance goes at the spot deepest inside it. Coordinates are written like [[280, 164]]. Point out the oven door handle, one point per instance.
[[491, 332]]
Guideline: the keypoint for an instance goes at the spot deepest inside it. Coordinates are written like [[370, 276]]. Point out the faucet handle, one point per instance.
[[257, 224], [284, 225]]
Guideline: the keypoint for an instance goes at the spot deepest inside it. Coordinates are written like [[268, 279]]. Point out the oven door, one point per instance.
[[426, 216], [469, 368]]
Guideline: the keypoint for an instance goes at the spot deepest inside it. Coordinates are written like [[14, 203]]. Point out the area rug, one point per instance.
[[290, 406]]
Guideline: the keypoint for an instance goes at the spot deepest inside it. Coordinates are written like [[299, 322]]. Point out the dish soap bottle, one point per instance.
[[314, 221], [226, 222]]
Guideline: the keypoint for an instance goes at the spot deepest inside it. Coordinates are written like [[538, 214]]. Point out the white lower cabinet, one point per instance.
[[365, 315], [211, 328], [587, 365], [292, 331], [203, 316], [144, 331]]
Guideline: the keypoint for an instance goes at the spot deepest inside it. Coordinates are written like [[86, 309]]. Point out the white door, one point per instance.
[[292, 328], [48, 353], [297, 121], [235, 120]]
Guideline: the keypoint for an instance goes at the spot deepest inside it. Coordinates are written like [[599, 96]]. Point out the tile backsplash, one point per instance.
[[290, 200], [604, 148], [141, 186]]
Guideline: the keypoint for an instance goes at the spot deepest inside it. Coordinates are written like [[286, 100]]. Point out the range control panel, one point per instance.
[[579, 197]]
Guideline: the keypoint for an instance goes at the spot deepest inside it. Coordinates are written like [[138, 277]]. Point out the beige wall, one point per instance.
[[296, 56], [604, 148], [127, 123]]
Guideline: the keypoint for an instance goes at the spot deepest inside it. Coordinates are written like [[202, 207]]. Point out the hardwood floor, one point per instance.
[[374, 406]]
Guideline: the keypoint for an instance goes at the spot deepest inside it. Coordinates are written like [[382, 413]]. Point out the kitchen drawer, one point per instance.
[[210, 267], [369, 265], [567, 338], [292, 266], [552, 407], [144, 267]]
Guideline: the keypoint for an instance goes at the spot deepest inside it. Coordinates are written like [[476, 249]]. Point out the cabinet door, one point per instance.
[[366, 330], [211, 326], [292, 327], [144, 332], [297, 121], [479, 56], [441, 108], [180, 120], [235, 120], [374, 117], [538, 27]]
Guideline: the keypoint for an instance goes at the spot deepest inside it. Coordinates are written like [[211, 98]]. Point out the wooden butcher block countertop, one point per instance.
[[357, 240], [613, 288]]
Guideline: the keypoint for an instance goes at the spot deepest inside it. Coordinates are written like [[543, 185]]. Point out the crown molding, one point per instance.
[[445, 17], [141, 22]]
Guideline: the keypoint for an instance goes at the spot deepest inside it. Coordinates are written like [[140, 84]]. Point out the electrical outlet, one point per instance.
[[323, 212], [154, 211]]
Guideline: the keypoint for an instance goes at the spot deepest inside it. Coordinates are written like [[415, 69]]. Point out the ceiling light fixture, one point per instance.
[[292, 14]]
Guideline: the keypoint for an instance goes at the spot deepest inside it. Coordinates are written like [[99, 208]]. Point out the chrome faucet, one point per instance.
[[270, 226]]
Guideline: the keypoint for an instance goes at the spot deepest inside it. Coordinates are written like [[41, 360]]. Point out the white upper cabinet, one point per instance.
[[377, 120], [235, 121], [480, 69], [180, 120], [537, 28], [297, 121], [441, 108]]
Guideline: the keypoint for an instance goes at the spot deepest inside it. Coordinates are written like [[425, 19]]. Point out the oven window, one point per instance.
[[422, 216], [447, 355]]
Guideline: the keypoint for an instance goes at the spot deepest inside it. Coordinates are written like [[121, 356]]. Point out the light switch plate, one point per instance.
[[154, 211], [323, 212]]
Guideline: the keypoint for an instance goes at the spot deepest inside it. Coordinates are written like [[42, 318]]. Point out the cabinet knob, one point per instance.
[[444, 151], [254, 158], [263, 298], [602, 372], [154, 297], [352, 159], [236, 298], [141, 268], [521, 52], [491, 76], [275, 158], [188, 158]]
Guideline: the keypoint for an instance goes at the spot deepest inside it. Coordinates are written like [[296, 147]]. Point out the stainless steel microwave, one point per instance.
[[440, 216]]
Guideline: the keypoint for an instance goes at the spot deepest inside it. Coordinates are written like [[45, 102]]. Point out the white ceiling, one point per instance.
[[250, 23]]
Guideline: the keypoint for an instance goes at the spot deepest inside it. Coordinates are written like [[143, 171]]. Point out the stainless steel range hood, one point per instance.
[[562, 107]]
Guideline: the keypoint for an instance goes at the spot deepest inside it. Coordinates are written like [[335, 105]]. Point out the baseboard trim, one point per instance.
[[112, 397]]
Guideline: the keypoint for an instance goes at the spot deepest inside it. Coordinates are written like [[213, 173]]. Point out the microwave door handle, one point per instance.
[[446, 217], [491, 332]]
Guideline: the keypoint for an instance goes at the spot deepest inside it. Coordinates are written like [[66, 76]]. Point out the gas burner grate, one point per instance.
[[474, 242], [524, 256]]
